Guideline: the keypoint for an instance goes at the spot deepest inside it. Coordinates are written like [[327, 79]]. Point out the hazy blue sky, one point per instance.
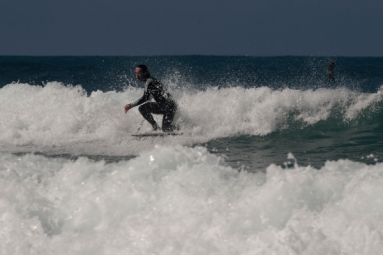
[[224, 27]]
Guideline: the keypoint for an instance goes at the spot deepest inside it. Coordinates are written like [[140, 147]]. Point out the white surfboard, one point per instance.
[[156, 134]]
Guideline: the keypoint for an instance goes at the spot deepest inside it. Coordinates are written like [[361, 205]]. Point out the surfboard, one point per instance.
[[155, 134]]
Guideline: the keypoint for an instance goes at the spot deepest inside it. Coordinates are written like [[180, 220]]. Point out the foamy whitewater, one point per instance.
[[179, 200], [283, 163], [58, 119]]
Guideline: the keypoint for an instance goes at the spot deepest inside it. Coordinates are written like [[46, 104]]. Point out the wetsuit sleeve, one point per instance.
[[144, 98]]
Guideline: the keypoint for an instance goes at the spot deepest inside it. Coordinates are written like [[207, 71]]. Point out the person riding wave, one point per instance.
[[164, 104]]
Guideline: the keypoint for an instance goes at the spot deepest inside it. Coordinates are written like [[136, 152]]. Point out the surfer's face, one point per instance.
[[139, 74]]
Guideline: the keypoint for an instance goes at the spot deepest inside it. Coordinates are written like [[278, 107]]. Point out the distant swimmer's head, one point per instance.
[[330, 66], [142, 73]]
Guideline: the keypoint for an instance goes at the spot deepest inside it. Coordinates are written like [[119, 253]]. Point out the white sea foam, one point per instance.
[[179, 200], [64, 119]]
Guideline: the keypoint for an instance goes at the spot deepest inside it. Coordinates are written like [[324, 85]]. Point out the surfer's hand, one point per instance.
[[127, 107]]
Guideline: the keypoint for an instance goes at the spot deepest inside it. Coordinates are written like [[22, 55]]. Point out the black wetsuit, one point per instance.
[[165, 104]]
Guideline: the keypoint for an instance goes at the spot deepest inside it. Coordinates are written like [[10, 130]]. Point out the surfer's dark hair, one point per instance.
[[144, 69]]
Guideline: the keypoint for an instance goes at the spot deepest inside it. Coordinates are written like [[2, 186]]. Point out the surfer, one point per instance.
[[330, 71], [164, 104]]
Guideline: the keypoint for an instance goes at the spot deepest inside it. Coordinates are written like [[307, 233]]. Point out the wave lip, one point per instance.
[[62, 117], [183, 200]]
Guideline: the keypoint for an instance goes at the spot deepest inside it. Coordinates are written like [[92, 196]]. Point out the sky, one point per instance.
[[173, 27]]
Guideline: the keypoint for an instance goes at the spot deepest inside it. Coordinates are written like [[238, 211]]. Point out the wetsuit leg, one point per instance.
[[169, 113], [147, 109]]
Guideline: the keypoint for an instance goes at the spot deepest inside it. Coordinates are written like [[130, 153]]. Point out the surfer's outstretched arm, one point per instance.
[[139, 101], [127, 108]]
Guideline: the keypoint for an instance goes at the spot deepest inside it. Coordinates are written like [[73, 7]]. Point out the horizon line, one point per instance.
[[190, 55]]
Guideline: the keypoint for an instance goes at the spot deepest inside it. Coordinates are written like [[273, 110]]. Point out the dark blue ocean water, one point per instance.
[[114, 73], [348, 125]]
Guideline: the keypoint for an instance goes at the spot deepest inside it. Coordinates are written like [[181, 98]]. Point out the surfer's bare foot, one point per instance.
[[155, 128]]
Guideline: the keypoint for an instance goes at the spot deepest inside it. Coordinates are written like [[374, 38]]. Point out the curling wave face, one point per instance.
[[180, 200], [63, 119]]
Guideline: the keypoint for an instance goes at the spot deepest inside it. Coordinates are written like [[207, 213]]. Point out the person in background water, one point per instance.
[[164, 104], [330, 71]]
